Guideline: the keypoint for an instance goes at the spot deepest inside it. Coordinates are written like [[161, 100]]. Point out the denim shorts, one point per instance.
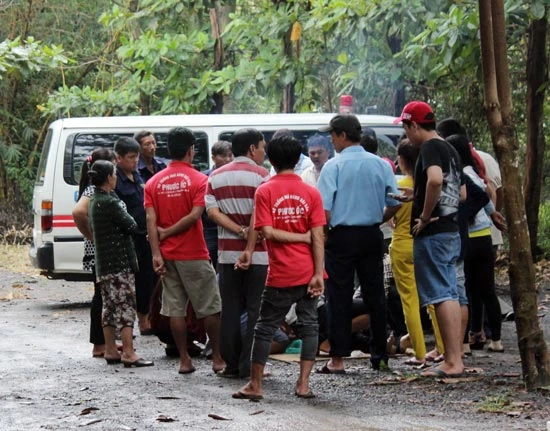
[[461, 283], [435, 259]]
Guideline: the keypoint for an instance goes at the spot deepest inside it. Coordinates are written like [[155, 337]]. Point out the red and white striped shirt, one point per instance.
[[231, 189]]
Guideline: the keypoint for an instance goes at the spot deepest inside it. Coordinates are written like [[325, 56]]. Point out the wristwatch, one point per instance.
[[242, 231]]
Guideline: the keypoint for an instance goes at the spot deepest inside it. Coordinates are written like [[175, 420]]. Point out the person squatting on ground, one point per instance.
[[81, 218], [174, 202], [129, 188], [230, 203], [289, 213], [221, 154], [438, 187], [355, 188], [401, 255], [116, 264]]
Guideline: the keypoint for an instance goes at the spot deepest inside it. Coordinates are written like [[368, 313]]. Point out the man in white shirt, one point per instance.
[[319, 150]]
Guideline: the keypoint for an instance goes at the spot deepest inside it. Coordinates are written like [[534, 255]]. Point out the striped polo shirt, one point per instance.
[[231, 189]]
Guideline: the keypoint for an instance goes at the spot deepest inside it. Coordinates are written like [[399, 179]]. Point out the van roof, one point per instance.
[[217, 120]]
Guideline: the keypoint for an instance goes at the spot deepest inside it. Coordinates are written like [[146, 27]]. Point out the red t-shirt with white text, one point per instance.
[[285, 202], [173, 192]]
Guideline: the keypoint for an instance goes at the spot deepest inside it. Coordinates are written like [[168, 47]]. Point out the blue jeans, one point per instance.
[[275, 305], [435, 259]]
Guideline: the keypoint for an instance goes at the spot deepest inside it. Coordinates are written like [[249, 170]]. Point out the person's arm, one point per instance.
[[252, 236], [389, 212], [316, 286], [80, 216], [224, 221], [154, 240], [278, 235], [433, 192], [182, 224]]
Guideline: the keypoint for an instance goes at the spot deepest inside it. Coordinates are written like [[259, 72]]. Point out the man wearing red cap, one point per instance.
[[438, 186]]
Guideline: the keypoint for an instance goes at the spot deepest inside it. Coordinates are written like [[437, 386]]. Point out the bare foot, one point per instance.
[[98, 351]]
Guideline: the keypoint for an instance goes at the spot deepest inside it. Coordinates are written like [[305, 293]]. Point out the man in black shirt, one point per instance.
[[434, 225]]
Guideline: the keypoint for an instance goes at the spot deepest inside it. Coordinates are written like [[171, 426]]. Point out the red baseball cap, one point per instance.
[[417, 111]]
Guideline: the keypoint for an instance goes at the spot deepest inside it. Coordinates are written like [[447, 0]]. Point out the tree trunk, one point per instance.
[[289, 98], [218, 16], [537, 75], [535, 360]]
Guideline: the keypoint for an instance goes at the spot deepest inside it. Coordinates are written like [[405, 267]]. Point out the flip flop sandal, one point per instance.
[[239, 395]]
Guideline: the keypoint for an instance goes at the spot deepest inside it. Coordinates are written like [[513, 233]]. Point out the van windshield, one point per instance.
[[80, 145]]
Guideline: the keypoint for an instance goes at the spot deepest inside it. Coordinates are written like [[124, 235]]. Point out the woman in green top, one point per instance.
[[116, 264]]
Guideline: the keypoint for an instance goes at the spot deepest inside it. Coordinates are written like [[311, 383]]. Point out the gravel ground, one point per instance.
[[48, 380]]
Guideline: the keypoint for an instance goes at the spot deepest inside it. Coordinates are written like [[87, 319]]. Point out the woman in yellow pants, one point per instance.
[[401, 255]]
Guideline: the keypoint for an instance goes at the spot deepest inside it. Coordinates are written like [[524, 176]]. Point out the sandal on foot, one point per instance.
[[239, 395], [326, 370], [307, 395]]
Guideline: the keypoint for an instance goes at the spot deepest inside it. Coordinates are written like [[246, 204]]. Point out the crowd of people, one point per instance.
[[235, 248]]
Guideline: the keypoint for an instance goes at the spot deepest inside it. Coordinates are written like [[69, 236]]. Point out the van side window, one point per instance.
[[80, 145], [41, 172], [301, 135]]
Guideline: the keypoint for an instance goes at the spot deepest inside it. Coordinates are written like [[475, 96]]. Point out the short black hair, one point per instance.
[[409, 153], [352, 135], [142, 134], [100, 171], [242, 140], [283, 152], [450, 126], [369, 143], [180, 139], [98, 154], [221, 148], [426, 126], [125, 145]]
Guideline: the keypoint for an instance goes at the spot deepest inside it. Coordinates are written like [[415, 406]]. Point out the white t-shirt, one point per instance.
[[492, 172]]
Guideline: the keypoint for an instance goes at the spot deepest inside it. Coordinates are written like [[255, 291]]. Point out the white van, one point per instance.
[[57, 247]]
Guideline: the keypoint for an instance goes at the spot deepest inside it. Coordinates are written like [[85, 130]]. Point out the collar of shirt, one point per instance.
[[356, 148], [121, 175], [244, 159], [180, 163]]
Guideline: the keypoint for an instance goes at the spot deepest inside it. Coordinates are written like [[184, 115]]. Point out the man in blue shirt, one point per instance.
[[129, 188], [355, 188], [148, 164]]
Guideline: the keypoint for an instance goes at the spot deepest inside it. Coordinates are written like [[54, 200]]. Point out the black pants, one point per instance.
[[241, 291], [96, 328], [351, 249], [146, 278], [480, 284]]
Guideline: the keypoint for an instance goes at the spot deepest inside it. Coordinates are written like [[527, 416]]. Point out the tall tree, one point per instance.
[[537, 78], [535, 359]]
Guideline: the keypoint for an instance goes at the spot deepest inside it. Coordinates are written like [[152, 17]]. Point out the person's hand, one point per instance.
[[499, 221], [406, 196], [391, 223], [421, 224], [243, 261], [162, 233], [158, 265], [316, 286]]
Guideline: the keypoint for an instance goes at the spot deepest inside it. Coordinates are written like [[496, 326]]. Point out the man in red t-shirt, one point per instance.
[[290, 215], [174, 202]]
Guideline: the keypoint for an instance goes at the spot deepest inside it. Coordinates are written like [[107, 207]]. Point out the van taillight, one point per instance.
[[46, 216]]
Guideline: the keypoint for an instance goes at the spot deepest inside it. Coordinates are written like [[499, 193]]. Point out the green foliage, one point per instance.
[[544, 228]]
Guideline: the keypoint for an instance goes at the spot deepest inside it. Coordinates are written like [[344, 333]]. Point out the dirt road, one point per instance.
[[48, 380]]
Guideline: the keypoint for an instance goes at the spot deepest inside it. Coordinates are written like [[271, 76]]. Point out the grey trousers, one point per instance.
[[241, 292], [275, 305]]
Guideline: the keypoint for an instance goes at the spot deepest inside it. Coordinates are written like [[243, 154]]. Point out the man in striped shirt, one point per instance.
[[230, 203]]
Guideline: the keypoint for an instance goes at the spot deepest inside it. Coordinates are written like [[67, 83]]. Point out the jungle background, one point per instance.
[[150, 57]]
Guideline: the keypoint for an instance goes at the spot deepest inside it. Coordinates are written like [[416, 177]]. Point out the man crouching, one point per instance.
[[289, 214]]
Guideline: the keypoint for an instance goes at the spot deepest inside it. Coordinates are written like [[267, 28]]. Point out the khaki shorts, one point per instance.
[[190, 280]]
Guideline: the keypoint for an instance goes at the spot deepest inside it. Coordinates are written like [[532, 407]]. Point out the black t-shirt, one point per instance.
[[437, 152]]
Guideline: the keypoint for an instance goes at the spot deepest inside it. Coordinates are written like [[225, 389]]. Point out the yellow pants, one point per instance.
[[437, 334], [401, 256]]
